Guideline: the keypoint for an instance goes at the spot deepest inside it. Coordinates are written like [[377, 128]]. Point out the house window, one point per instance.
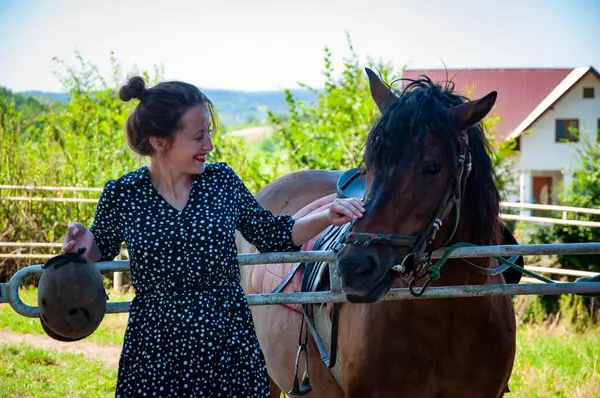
[[567, 130], [588, 92]]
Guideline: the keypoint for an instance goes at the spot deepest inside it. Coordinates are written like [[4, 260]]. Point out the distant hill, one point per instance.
[[29, 106], [44, 96], [235, 107]]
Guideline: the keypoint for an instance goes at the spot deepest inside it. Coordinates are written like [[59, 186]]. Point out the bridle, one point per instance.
[[420, 244]]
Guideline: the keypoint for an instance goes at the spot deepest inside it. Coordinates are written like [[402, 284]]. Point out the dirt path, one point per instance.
[[91, 351]]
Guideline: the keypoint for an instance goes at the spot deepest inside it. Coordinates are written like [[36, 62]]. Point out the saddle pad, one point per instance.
[[266, 277]]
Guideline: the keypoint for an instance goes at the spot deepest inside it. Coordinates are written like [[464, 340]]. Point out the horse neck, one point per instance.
[[456, 273]]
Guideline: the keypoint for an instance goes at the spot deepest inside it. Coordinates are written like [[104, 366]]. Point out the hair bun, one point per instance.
[[135, 88]]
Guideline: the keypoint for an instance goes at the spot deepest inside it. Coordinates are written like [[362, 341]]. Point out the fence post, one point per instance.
[[334, 277], [117, 281], [118, 276]]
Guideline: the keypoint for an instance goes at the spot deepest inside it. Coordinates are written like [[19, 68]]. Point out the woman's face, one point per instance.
[[187, 152]]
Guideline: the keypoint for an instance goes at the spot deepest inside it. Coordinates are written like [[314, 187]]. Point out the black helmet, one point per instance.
[[71, 297]]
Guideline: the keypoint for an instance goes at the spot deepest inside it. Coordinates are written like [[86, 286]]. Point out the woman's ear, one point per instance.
[[159, 144]]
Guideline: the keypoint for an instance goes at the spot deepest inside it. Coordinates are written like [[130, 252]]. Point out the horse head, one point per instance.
[[429, 182]]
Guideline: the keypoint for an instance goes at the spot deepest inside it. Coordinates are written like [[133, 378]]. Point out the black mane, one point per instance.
[[422, 105]]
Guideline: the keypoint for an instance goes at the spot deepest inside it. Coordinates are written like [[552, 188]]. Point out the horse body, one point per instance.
[[459, 347], [427, 348], [416, 347]]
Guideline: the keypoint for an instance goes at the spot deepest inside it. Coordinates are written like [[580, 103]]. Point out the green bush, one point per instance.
[[330, 134]]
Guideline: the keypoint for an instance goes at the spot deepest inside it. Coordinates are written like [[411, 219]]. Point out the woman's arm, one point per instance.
[[106, 230], [341, 212], [271, 233]]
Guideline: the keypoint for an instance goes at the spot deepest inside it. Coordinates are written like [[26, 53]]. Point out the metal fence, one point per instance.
[[9, 292]]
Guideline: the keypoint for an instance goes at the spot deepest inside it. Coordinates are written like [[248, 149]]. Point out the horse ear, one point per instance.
[[470, 113], [380, 93]]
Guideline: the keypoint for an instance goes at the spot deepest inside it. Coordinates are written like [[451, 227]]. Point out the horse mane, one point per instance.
[[421, 107]]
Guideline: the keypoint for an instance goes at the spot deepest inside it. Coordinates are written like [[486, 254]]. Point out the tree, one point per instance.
[[329, 133]]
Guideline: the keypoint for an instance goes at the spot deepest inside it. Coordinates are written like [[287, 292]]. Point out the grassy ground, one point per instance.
[[553, 362], [28, 372], [556, 363]]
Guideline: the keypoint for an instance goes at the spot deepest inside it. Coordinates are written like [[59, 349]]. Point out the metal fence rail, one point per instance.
[[534, 206], [550, 220], [559, 271], [517, 205], [43, 199], [9, 292], [30, 244], [49, 188]]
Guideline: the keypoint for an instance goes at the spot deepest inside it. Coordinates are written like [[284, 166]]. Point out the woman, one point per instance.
[[190, 330]]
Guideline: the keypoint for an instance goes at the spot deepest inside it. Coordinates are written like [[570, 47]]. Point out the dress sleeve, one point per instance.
[[107, 232], [260, 227]]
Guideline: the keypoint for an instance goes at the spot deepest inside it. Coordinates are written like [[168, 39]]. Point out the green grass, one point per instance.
[[550, 362], [110, 331], [27, 372], [556, 363]]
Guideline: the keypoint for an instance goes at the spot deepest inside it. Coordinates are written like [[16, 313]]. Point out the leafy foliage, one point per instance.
[[330, 133]]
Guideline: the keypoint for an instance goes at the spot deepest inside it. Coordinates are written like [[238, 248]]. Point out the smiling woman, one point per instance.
[[171, 113], [190, 329]]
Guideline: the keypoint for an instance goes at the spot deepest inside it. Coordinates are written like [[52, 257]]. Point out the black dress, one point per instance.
[[190, 330]]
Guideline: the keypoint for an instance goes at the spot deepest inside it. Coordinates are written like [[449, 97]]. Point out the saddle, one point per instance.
[[289, 277]]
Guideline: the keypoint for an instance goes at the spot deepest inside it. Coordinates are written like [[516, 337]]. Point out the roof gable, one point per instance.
[[561, 89], [520, 90]]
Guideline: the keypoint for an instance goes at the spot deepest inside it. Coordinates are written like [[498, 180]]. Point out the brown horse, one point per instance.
[[429, 183]]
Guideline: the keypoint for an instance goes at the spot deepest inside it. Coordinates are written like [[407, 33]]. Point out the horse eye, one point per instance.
[[432, 168]]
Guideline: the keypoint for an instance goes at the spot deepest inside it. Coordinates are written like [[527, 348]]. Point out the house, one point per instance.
[[551, 113]]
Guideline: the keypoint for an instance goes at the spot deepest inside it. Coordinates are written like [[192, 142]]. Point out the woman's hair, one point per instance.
[[159, 111]]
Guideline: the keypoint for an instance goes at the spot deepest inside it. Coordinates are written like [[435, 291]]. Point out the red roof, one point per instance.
[[520, 91]]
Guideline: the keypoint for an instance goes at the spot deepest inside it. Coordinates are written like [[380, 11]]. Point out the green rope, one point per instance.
[[595, 278], [523, 270], [434, 270]]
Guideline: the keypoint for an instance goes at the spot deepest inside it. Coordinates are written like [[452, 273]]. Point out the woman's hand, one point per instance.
[[78, 236], [345, 210]]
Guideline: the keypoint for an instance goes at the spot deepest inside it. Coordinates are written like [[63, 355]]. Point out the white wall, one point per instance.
[[539, 150]]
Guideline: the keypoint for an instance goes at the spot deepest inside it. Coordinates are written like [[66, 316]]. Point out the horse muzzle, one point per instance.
[[363, 275], [370, 296]]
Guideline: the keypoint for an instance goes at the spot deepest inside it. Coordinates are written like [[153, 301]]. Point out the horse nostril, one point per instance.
[[365, 266]]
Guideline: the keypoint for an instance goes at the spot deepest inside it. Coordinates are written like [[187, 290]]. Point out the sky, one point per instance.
[[254, 45]]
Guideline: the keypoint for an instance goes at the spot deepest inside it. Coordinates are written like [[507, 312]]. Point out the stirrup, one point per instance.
[[304, 388]]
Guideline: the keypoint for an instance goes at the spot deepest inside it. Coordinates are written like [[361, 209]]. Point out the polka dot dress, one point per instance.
[[190, 330]]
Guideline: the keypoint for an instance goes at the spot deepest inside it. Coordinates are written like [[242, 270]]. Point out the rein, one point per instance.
[[421, 250]]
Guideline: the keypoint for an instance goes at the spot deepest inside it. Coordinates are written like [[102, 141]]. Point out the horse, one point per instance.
[[429, 183]]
